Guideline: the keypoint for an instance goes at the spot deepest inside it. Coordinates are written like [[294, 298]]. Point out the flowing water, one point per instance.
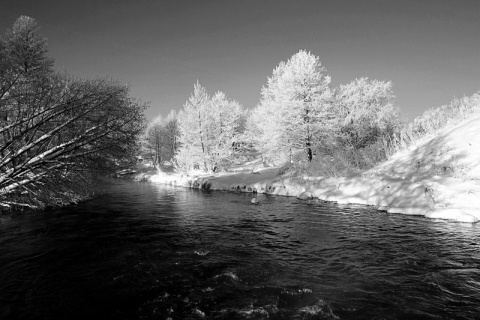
[[144, 251]]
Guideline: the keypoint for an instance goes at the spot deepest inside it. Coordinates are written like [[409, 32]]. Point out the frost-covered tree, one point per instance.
[[294, 107], [207, 128], [160, 139], [192, 128], [152, 141], [365, 112], [226, 116], [171, 134]]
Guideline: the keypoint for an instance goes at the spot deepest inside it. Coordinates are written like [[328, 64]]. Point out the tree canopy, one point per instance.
[[293, 107]]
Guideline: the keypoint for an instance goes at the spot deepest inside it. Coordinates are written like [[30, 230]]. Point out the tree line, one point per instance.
[[57, 132], [300, 116]]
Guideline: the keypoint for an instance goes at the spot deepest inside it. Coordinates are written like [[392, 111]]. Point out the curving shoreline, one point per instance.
[[387, 194], [437, 178]]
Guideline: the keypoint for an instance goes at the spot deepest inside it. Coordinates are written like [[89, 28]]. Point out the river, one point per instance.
[[146, 251]]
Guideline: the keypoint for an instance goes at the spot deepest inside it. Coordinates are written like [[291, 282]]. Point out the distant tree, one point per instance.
[[171, 133], [152, 141], [264, 130], [160, 140], [293, 107], [207, 127], [365, 112], [224, 130], [57, 131]]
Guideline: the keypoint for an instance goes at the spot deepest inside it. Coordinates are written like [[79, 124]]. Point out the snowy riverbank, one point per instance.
[[437, 178]]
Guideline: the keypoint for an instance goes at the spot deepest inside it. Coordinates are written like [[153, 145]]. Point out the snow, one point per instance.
[[439, 178]]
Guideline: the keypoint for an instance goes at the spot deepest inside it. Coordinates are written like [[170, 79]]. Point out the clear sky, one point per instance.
[[429, 49]]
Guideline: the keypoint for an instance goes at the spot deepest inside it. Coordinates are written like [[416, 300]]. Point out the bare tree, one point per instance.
[[56, 130]]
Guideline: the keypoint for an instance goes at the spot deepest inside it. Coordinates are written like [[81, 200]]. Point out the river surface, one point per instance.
[[145, 251]]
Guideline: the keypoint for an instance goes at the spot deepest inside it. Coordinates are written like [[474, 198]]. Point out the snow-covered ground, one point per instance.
[[437, 178]]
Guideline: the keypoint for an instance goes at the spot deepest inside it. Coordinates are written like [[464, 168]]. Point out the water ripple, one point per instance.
[[148, 252]]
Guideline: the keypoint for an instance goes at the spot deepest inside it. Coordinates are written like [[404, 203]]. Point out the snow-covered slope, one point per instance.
[[437, 178]]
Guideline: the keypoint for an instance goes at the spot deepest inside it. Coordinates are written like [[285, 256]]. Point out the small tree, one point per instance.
[[171, 132], [207, 130], [192, 128], [224, 129], [153, 141]]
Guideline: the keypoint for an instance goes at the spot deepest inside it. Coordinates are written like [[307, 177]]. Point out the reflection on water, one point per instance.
[[154, 252]]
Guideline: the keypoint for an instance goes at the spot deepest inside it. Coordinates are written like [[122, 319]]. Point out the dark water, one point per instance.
[[155, 252]]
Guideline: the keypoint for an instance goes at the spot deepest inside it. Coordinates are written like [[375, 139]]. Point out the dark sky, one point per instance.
[[430, 50]]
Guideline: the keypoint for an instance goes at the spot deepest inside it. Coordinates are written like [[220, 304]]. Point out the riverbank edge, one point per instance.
[[384, 193]]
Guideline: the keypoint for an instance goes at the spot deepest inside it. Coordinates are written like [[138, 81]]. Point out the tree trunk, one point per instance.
[[308, 143], [309, 153]]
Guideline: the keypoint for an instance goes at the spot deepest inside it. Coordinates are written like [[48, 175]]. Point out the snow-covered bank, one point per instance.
[[438, 178]]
